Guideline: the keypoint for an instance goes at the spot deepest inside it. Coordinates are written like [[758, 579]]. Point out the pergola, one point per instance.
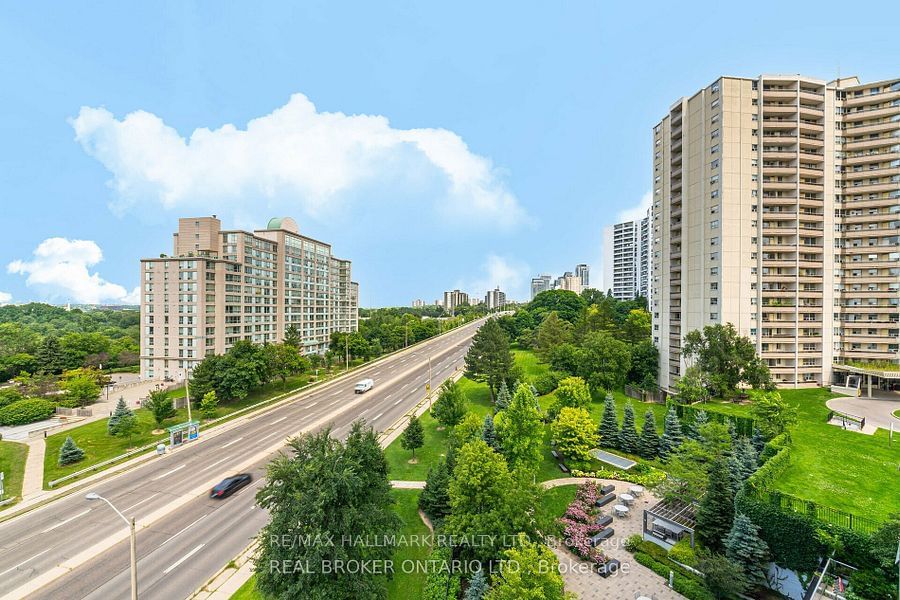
[[868, 374], [668, 521]]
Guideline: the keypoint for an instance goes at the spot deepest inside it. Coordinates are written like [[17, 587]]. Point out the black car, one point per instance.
[[230, 485]]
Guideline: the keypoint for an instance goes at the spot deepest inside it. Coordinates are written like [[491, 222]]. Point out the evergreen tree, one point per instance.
[[744, 546], [413, 436], [489, 433], [478, 586], [435, 497], [292, 337], [672, 436], [749, 457], [628, 435], [489, 358], [609, 424], [49, 356], [521, 430], [648, 444], [120, 411], [69, 452], [693, 429], [715, 515], [758, 441], [503, 398]]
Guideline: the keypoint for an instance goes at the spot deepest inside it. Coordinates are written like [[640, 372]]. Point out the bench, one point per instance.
[[604, 500], [608, 568], [554, 454], [563, 468], [607, 489], [604, 520], [605, 534]]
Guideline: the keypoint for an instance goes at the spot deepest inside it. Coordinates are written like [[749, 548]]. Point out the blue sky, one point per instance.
[[436, 145]]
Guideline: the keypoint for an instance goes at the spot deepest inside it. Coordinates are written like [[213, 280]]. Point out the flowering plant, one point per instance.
[[580, 524]]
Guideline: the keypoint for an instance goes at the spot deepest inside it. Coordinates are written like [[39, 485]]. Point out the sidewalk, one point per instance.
[[33, 480]]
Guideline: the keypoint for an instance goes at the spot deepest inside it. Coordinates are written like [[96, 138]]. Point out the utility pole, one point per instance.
[[406, 338], [347, 348], [131, 527], [187, 395], [430, 389]]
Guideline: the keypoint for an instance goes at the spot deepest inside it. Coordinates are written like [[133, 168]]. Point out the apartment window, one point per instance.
[[714, 241], [714, 88], [714, 209], [714, 286], [714, 104], [714, 224], [713, 301], [713, 316], [713, 271], [714, 149], [714, 164], [713, 256], [714, 194], [714, 134]]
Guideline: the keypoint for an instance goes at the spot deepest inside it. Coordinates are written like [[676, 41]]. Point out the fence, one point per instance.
[[743, 425], [73, 412], [826, 514], [644, 395]]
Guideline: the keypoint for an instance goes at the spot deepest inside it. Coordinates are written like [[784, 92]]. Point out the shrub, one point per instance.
[[442, 582], [870, 583], [689, 587], [9, 395], [649, 479], [546, 383], [683, 553], [26, 411], [633, 543]]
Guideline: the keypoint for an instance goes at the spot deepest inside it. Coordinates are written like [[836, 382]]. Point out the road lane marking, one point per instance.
[[233, 442], [206, 468], [61, 523], [278, 420], [265, 437], [147, 499], [375, 418], [182, 531], [313, 404], [399, 400], [167, 473], [183, 558], [25, 561]]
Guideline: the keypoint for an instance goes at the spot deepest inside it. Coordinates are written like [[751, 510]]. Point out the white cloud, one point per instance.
[[636, 213], [294, 157], [5, 298], [60, 270], [509, 274]]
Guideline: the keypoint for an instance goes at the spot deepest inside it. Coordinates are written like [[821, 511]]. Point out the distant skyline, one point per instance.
[[436, 146]]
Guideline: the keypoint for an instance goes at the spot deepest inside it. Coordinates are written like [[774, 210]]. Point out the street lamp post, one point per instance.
[[187, 395], [130, 523]]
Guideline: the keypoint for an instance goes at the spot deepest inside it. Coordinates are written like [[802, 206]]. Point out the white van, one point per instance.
[[363, 386]]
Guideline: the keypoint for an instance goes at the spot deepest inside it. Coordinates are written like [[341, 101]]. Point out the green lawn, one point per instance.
[[99, 446], [846, 470], [409, 584], [12, 464], [247, 591], [897, 413]]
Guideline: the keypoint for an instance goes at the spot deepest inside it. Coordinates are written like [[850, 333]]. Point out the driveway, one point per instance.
[[877, 410]]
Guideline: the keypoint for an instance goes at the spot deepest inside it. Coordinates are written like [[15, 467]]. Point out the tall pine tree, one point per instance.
[[489, 358], [648, 444], [121, 411], [744, 546], [435, 497], [503, 398], [715, 515], [609, 424], [489, 433], [693, 429], [478, 586], [628, 435], [672, 436]]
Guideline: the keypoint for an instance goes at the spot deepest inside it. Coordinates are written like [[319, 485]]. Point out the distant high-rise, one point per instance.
[[418, 303], [541, 284], [453, 299], [220, 287], [626, 259], [775, 208], [583, 272], [495, 299]]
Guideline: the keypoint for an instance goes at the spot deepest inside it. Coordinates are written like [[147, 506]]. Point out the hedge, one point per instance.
[[688, 587], [26, 411], [9, 395], [743, 425], [771, 470], [649, 479], [791, 536]]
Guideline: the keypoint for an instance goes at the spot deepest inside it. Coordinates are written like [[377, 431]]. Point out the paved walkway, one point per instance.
[[33, 481], [877, 410]]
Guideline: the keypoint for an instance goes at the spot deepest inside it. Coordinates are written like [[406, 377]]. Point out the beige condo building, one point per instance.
[[221, 286], [776, 207]]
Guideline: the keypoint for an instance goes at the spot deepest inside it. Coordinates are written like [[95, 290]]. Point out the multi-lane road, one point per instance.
[[73, 548]]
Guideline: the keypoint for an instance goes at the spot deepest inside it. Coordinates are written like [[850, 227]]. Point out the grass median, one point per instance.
[[12, 465]]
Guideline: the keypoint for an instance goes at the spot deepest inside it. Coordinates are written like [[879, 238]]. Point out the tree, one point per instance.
[[571, 392], [744, 547], [552, 332], [715, 515], [726, 358], [520, 430], [121, 411], [574, 433], [69, 452], [529, 571], [724, 579], [49, 356], [285, 360], [636, 327], [503, 398], [489, 359], [81, 386], [691, 386], [292, 336], [322, 490], [604, 361], [435, 497], [488, 503], [694, 428], [648, 444], [413, 436], [564, 358], [672, 436], [772, 415], [209, 404], [478, 586], [568, 305], [467, 430], [609, 424], [628, 435], [489, 433], [161, 406], [450, 407], [644, 365], [127, 426]]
